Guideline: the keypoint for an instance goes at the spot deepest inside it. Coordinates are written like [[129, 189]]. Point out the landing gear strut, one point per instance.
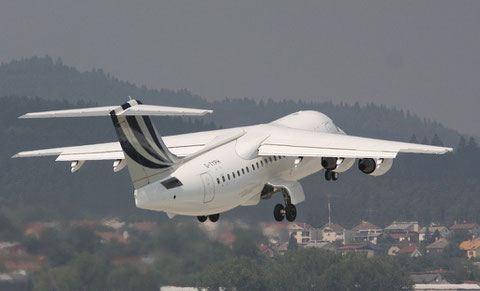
[[330, 175], [213, 217]]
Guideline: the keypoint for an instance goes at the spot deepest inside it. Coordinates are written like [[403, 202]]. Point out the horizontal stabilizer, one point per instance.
[[152, 110]]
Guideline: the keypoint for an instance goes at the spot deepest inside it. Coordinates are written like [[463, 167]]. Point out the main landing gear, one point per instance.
[[331, 175], [289, 211], [213, 218]]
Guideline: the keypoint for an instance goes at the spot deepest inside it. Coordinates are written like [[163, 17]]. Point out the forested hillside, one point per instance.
[[424, 188], [52, 80]]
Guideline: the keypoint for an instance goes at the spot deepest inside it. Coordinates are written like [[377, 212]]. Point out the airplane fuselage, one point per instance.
[[224, 178]]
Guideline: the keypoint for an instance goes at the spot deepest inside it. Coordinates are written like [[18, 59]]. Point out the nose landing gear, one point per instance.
[[212, 218], [330, 175]]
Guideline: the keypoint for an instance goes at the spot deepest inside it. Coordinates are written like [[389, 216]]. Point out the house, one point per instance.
[[304, 232], [333, 232], [367, 232], [367, 248], [472, 228], [402, 227], [472, 248], [427, 278], [433, 228], [437, 247], [412, 250], [404, 237]]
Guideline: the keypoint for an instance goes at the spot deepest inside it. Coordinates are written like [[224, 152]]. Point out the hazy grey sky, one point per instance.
[[423, 56]]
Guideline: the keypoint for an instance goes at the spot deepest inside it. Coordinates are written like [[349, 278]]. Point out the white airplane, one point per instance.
[[205, 173]]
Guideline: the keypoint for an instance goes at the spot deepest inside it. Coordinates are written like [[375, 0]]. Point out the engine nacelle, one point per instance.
[[338, 165], [375, 167]]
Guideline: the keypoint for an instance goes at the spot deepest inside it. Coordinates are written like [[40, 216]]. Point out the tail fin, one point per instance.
[[148, 159]]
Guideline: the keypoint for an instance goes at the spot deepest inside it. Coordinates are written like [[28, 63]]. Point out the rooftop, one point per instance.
[[365, 225]]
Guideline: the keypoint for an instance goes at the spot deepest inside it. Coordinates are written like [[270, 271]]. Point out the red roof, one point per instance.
[[408, 249], [365, 225]]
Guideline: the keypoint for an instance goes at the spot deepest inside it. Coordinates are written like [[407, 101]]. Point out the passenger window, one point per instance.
[[248, 170], [253, 167], [243, 171], [223, 178], [238, 173], [233, 174], [257, 165], [261, 162], [270, 158], [275, 158], [218, 181], [228, 175], [266, 161]]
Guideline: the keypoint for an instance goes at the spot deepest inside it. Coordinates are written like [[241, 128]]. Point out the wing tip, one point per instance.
[[17, 155]]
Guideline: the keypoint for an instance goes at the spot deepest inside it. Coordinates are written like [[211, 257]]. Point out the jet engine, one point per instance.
[[375, 167], [337, 165]]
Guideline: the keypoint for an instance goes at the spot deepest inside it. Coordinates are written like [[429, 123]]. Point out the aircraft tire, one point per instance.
[[328, 175], [214, 217], [202, 218], [290, 212], [335, 176], [279, 212]]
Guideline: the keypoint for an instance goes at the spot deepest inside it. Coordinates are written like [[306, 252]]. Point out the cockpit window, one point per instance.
[[172, 183]]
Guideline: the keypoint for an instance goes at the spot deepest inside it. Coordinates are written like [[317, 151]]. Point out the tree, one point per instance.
[[436, 141], [234, 273]]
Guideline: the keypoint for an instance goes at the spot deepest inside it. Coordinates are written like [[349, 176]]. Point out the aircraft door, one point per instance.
[[208, 187]]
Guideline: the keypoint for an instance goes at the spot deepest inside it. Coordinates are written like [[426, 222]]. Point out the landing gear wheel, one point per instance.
[[334, 176], [214, 217], [328, 175], [290, 212], [279, 212], [202, 218]]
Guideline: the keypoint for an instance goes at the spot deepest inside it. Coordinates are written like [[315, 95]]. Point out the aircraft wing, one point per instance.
[[181, 145], [295, 142]]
